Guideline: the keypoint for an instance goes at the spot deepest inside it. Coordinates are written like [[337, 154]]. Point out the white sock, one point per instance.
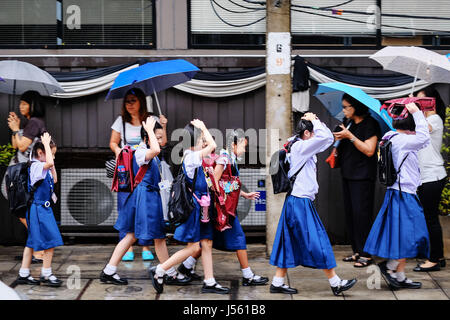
[[171, 272], [335, 281], [46, 272], [190, 262], [180, 276], [247, 273], [392, 264], [210, 281], [400, 276], [110, 270], [24, 272], [160, 273], [277, 281]]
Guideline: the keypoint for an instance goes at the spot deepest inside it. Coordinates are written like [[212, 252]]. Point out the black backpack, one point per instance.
[[387, 175], [279, 174], [19, 197], [181, 203]]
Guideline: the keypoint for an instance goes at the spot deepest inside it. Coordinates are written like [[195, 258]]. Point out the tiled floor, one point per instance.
[[79, 267]]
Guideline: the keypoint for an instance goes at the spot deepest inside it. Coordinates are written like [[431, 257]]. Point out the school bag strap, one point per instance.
[[140, 174], [124, 135], [294, 177]]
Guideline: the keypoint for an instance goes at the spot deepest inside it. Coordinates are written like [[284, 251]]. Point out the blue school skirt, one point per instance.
[[400, 230], [142, 214], [43, 233], [301, 238], [193, 230], [121, 198], [231, 239]]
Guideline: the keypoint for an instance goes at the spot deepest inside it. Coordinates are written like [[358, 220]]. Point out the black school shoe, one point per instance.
[[338, 289], [188, 273], [436, 267], [255, 282], [46, 281], [27, 280], [105, 278], [159, 287], [282, 289], [174, 281], [408, 284], [215, 289]]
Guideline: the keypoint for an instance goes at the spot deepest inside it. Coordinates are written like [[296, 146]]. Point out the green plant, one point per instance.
[[6, 153], [444, 206]]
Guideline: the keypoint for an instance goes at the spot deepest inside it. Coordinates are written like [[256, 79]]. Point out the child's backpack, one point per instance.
[[19, 196], [181, 203], [123, 178], [387, 175], [280, 180]]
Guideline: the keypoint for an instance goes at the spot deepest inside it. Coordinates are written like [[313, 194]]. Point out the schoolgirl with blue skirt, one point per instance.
[[142, 216], [301, 238], [43, 232], [232, 238], [400, 231], [193, 230]]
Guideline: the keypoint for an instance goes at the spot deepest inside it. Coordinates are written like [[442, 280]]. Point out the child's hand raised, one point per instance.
[[412, 107], [198, 124], [149, 124], [46, 138]]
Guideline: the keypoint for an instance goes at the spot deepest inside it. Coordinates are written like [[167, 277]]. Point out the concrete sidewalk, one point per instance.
[[79, 267]]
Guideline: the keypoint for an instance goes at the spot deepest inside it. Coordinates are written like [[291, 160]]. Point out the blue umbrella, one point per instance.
[[152, 77], [330, 94]]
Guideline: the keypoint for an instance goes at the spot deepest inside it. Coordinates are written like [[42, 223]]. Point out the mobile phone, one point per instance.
[[337, 128]]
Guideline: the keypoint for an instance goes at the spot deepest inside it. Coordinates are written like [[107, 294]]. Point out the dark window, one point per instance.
[[86, 23]]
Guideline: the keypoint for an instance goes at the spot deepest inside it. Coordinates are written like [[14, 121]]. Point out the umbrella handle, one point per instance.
[[157, 101], [415, 79]]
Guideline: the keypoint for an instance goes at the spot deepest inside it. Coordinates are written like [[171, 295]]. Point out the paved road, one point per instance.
[[88, 260]]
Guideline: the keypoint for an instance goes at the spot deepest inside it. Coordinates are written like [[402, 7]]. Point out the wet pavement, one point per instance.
[[79, 267]]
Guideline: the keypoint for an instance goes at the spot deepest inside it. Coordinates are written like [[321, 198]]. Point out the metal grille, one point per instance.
[[86, 198], [252, 213]]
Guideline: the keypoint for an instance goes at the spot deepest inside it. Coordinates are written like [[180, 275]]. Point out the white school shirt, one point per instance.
[[431, 162], [132, 133], [37, 171], [140, 152], [192, 160], [403, 144], [302, 151], [226, 158]]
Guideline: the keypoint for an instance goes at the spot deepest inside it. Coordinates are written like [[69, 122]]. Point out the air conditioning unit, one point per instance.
[[86, 198], [252, 212]]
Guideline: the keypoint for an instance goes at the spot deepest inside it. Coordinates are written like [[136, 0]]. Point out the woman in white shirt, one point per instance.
[[126, 130], [301, 238], [433, 177]]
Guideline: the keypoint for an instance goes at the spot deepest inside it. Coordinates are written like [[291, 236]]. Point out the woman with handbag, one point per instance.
[[233, 237], [126, 130], [358, 162]]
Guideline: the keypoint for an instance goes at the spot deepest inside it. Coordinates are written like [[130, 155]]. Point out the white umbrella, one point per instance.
[[416, 62], [21, 76]]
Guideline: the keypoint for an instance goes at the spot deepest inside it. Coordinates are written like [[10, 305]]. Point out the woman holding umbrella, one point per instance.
[[358, 162], [126, 130]]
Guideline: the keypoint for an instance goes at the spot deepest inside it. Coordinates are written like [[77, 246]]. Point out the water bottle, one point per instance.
[[122, 177]]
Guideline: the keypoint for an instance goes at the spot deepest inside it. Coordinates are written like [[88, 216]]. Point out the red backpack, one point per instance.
[[123, 178]]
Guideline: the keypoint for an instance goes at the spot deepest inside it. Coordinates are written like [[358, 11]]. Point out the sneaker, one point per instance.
[[215, 288], [147, 255], [129, 256], [51, 281]]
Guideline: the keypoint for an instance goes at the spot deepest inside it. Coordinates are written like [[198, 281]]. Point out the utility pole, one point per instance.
[[278, 100]]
